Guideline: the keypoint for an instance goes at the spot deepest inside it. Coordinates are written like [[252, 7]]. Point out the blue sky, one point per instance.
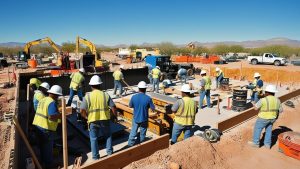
[[111, 22]]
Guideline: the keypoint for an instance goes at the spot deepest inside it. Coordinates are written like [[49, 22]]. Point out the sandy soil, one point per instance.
[[231, 152]]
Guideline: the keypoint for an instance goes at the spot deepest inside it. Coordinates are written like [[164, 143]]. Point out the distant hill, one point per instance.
[[255, 43], [246, 44], [12, 44]]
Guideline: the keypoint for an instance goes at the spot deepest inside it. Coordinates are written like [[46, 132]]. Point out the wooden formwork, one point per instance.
[[250, 113], [125, 157]]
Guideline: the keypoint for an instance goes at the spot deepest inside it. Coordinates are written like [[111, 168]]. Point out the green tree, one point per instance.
[[68, 47], [167, 48]]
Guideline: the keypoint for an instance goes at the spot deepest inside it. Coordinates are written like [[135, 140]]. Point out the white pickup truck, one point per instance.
[[267, 58]]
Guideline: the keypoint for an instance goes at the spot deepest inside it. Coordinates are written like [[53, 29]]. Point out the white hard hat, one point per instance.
[[56, 89], [81, 70], [142, 85], [121, 66], [203, 72], [186, 88], [45, 85], [157, 67], [271, 89], [95, 80], [217, 69], [256, 74]]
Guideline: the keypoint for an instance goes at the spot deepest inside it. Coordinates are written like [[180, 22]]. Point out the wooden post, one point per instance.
[[8, 75], [64, 132], [218, 104], [27, 110], [19, 129], [241, 71]]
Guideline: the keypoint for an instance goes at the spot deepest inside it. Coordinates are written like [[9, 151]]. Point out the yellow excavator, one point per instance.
[[25, 54], [97, 56]]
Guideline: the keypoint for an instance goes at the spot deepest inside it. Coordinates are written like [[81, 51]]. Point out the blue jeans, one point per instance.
[[177, 129], [97, 127], [150, 79], [260, 124], [254, 97], [135, 126], [118, 85], [72, 94], [202, 95], [155, 84], [218, 81], [45, 142]]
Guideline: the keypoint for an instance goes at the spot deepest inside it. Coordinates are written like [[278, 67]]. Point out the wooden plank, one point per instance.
[[64, 132], [125, 157], [250, 113]]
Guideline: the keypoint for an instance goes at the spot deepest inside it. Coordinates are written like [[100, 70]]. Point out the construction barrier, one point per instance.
[[199, 59]]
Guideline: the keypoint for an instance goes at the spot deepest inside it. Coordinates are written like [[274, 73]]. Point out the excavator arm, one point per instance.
[[92, 47], [40, 41]]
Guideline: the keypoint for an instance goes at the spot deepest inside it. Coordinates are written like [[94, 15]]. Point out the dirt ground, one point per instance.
[[232, 152]]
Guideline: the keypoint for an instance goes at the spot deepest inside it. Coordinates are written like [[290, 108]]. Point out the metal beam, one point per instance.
[[125, 157], [250, 113]]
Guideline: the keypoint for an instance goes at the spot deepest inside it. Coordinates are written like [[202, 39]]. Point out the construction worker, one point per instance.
[[150, 73], [256, 88], [185, 110], [46, 121], [40, 93], [34, 84], [156, 75], [269, 108], [205, 85], [77, 80], [140, 103], [219, 77], [118, 77], [96, 107], [182, 75]]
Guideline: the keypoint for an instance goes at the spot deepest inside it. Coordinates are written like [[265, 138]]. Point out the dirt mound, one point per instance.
[[192, 153]]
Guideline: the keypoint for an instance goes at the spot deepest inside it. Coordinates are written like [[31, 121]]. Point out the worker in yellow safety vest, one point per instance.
[[205, 86], [34, 84], [118, 77], [76, 85], [269, 108], [96, 108], [40, 93], [156, 73], [219, 77], [185, 110], [256, 88], [46, 120]]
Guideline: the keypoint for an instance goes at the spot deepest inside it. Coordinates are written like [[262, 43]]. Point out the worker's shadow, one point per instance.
[[198, 128], [275, 134]]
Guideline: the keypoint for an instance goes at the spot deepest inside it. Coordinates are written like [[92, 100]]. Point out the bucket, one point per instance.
[[32, 63]]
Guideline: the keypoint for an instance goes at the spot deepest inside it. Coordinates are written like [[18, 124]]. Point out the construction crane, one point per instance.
[[25, 54], [79, 40]]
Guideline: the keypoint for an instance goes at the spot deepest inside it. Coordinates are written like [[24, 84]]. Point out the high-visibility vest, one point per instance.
[[254, 83], [97, 106], [35, 81], [207, 85], [38, 95], [219, 73], [118, 75], [186, 112], [269, 107], [41, 117], [76, 80], [155, 73]]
